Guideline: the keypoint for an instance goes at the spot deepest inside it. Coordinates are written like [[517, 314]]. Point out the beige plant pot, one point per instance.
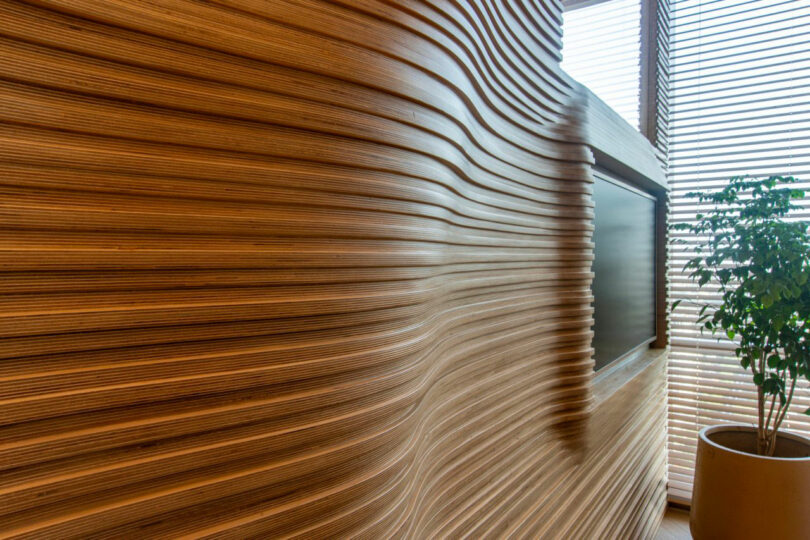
[[740, 495]]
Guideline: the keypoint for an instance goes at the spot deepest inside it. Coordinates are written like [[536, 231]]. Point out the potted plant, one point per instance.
[[754, 482]]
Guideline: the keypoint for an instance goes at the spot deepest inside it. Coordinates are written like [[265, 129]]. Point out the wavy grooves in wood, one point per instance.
[[291, 268]]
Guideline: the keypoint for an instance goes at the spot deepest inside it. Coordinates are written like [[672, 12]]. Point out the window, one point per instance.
[[740, 84], [601, 49]]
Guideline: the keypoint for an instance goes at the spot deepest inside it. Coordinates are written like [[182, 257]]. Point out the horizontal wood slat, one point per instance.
[[301, 269]]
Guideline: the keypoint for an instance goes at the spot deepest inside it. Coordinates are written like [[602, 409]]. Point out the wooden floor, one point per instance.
[[675, 525]]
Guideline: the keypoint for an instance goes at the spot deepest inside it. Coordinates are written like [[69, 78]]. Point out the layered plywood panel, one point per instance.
[[291, 268]]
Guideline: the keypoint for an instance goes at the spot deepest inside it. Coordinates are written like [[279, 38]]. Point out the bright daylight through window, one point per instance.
[[739, 100], [601, 49]]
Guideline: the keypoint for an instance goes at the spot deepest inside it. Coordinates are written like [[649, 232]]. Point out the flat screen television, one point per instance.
[[624, 269]]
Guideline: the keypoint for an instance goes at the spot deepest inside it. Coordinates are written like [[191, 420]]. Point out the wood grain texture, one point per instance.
[[299, 269]]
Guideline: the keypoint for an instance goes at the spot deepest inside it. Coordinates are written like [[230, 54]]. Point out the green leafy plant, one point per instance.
[[749, 248]]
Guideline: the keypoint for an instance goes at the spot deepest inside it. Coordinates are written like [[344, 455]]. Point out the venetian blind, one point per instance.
[[601, 49], [739, 96]]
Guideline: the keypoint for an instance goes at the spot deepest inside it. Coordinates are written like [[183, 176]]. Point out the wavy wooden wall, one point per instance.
[[296, 268]]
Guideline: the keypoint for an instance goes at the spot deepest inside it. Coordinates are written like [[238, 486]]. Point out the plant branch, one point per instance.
[[770, 412], [760, 410], [781, 416]]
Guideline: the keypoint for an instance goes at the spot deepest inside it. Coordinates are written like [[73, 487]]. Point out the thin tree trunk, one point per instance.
[[762, 440], [780, 416]]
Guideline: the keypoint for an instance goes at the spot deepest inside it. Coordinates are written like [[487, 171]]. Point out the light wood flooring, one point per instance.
[[675, 525]]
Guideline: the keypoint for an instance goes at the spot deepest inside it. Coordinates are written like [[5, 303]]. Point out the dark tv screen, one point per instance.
[[624, 269]]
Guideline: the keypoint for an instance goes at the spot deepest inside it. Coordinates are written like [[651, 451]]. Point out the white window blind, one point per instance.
[[740, 105], [601, 49]]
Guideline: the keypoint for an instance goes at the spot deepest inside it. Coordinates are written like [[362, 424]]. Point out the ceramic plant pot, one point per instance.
[[741, 495]]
